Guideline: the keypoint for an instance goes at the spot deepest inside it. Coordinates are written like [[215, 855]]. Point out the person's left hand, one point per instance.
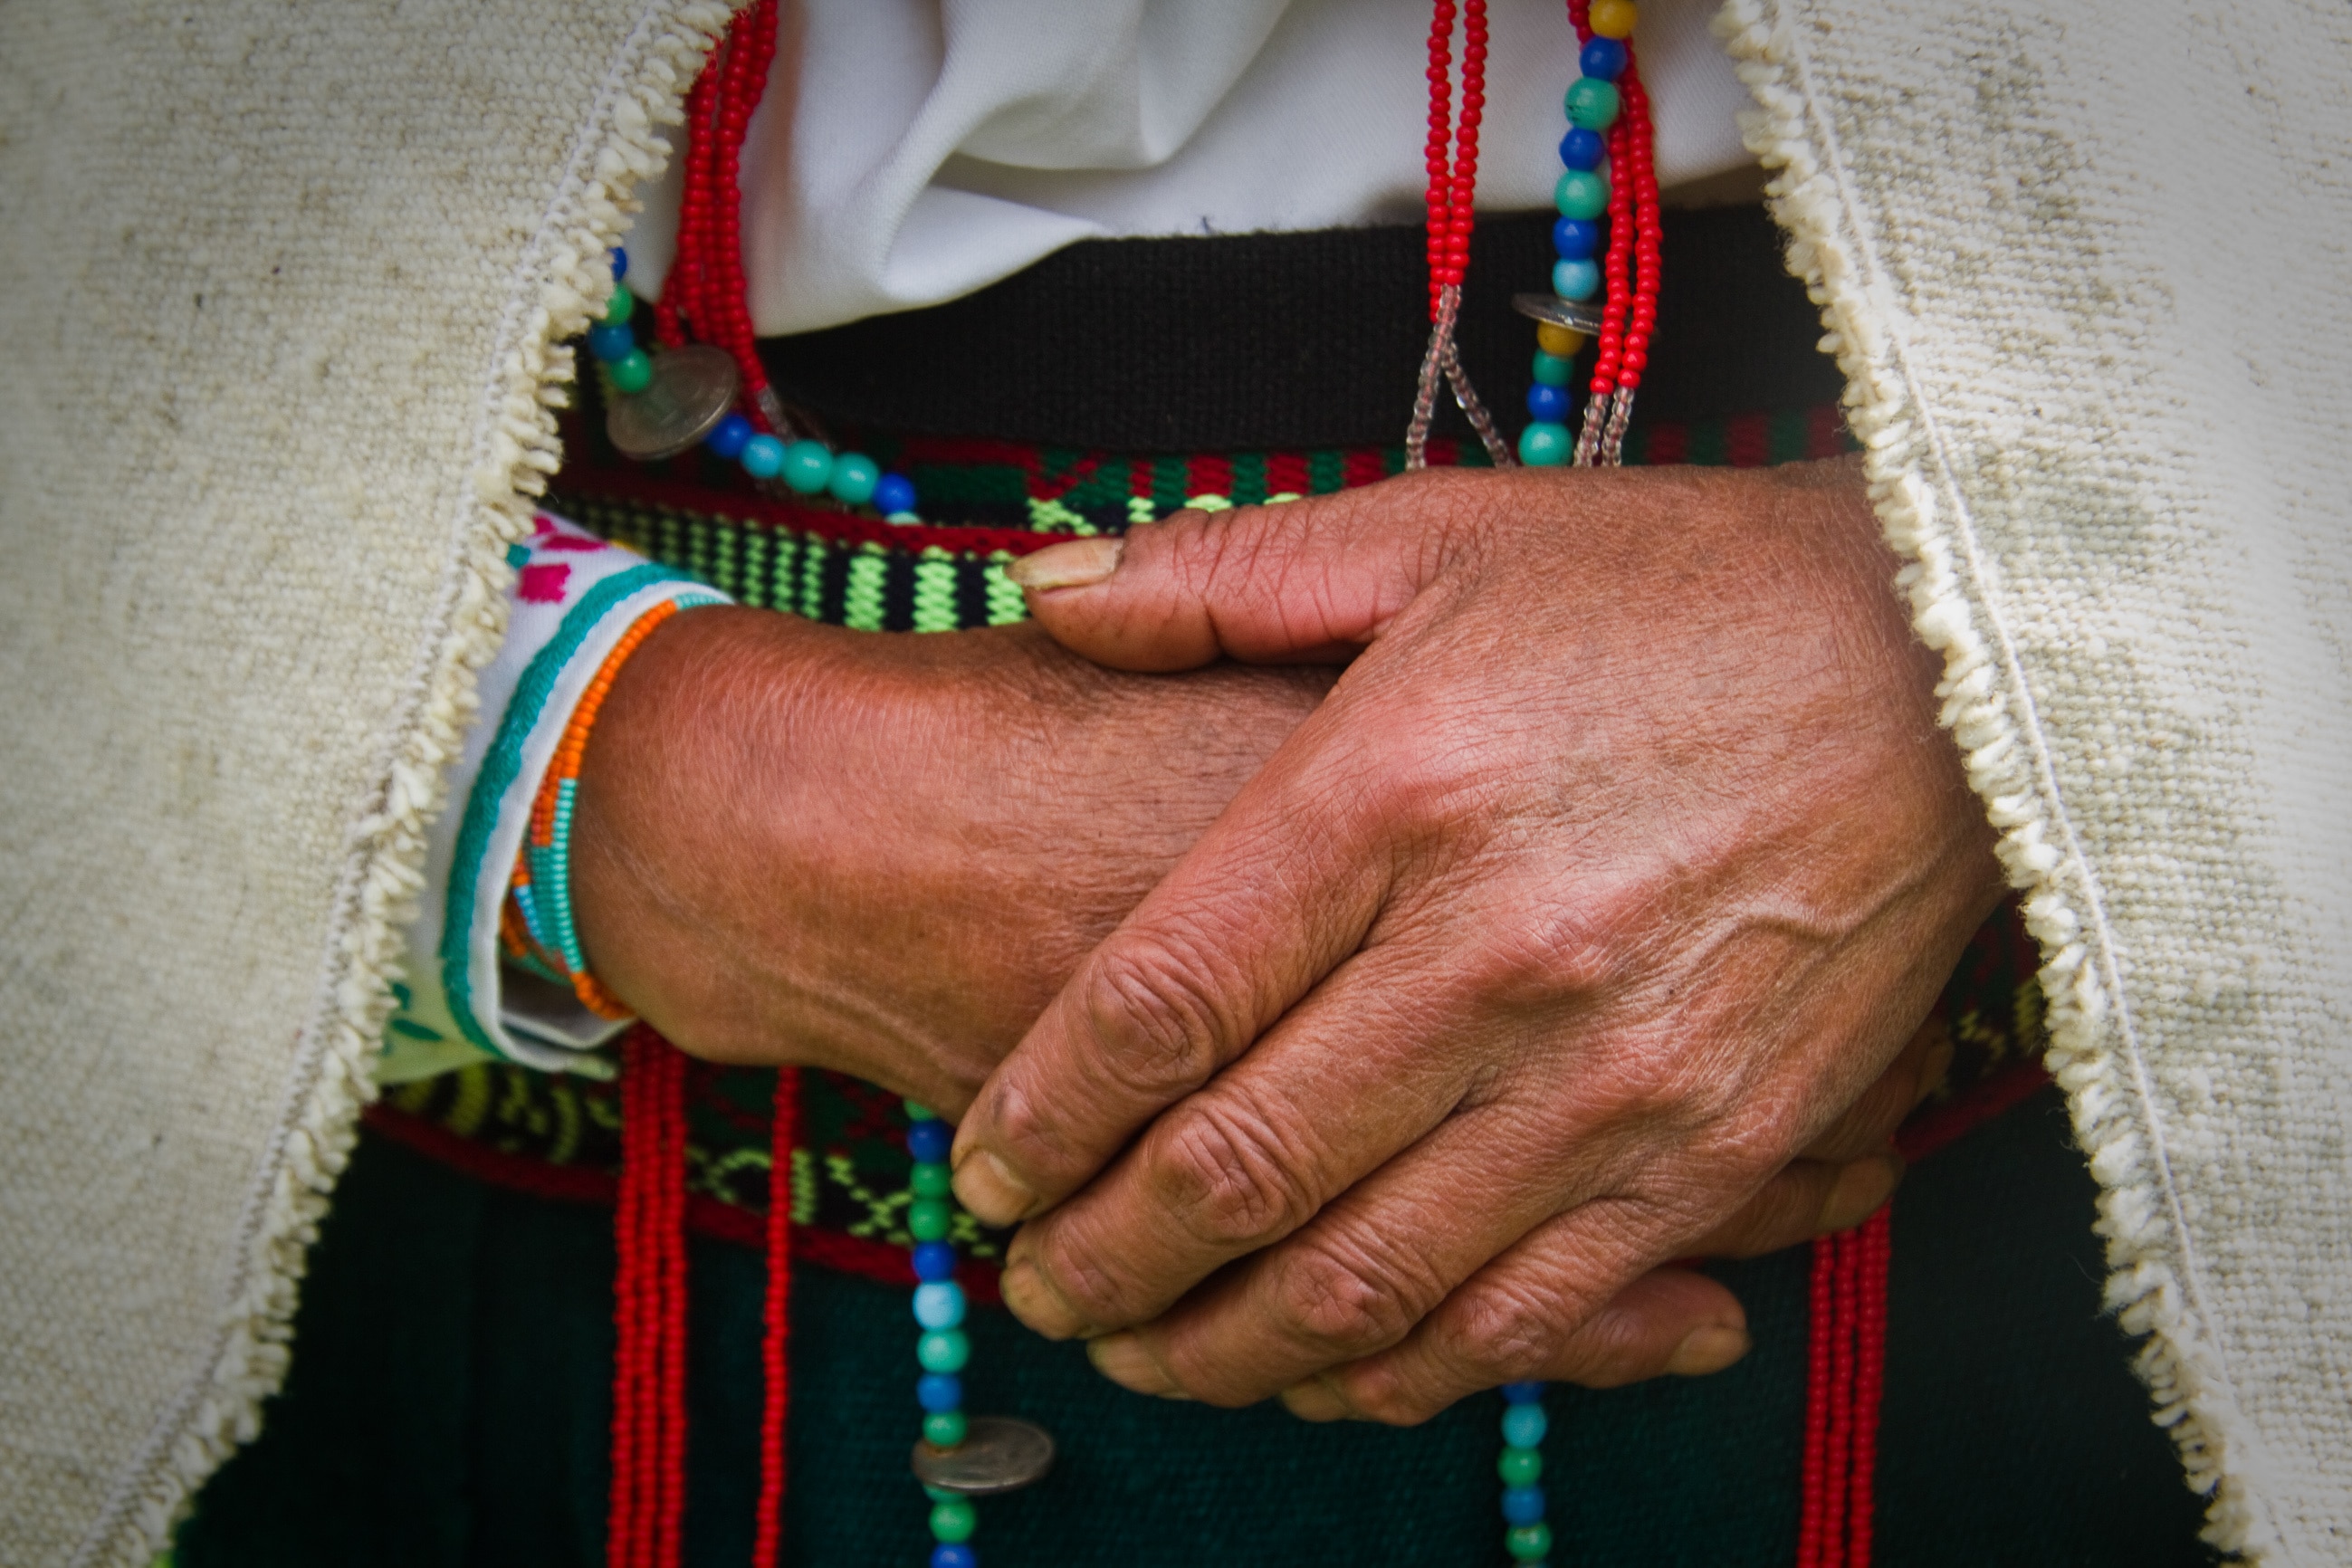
[[1620, 862]]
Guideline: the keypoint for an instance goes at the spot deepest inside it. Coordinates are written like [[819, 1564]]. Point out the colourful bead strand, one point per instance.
[[1525, 1536], [942, 1351], [806, 467]]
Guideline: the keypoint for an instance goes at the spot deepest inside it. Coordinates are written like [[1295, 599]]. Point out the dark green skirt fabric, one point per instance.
[[448, 1406]]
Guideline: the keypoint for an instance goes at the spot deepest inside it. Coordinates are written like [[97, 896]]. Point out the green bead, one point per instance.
[[920, 1112], [930, 1180], [808, 465], [854, 476], [1520, 1466], [1581, 194], [944, 1428], [939, 1494], [1544, 444], [1528, 1542], [633, 372], [943, 1350], [1591, 104], [621, 306], [952, 1520], [1551, 369], [928, 1219]]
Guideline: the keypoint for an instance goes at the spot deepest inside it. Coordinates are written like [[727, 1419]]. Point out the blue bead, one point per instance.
[[609, 341], [620, 264], [940, 1305], [1603, 58], [1547, 404], [939, 1391], [1575, 238], [1523, 1505], [934, 1260], [1526, 1393], [929, 1141], [1582, 149], [954, 1554], [894, 493], [727, 438], [1576, 279], [1524, 1425], [1544, 444]]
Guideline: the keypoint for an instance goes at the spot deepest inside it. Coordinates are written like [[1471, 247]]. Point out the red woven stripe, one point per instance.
[[1824, 431], [1747, 441], [1285, 473], [1209, 474], [1667, 444], [1970, 1109], [775, 1348]]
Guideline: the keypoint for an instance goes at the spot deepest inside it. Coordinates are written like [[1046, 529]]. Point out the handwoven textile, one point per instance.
[[285, 282], [2085, 266]]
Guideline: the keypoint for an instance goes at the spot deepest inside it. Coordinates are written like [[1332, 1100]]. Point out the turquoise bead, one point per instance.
[[1520, 1466], [1523, 1425], [1591, 104], [854, 479], [945, 1429], [1528, 1542], [952, 1520], [929, 1179], [621, 306], [763, 456], [1551, 370], [1576, 279], [808, 467], [633, 372], [943, 1350], [1581, 194], [940, 1305], [1544, 444], [928, 1219]]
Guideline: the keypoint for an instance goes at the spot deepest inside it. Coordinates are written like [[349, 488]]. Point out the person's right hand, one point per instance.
[[883, 855]]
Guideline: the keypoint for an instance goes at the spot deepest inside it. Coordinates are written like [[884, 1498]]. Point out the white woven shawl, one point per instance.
[[263, 437]]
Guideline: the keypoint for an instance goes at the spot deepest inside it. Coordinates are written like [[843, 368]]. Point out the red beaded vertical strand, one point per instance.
[[1812, 1522], [647, 1501], [1870, 1381], [1846, 1375], [775, 1346], [1452, 150]]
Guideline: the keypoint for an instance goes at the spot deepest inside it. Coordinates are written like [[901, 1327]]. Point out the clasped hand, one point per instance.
[[1581, 928], [1370, 1042]]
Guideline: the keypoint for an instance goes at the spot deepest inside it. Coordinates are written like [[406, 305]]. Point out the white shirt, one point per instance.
[[910, 151]]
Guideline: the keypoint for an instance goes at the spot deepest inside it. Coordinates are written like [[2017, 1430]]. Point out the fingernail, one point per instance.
[[992, 1191], [1708, 1350], [1032, 1298], [1122, 1358], [1316, 1400], [1072, 565], [1861, 1187]]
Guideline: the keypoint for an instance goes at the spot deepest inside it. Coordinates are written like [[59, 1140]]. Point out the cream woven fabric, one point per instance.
[[284, 303], [283, 283]]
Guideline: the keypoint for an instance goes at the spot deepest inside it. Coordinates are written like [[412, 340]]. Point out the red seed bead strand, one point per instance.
[[1438, 202], [671, 1234], [1870, 1381], [1649, 234], [775, 1346], [1820, 1304], [1460, 211], [1616, 270], [751, 47], [1452, 150]]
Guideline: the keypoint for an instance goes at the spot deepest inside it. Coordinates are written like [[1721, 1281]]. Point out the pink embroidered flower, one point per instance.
[[543, 584]]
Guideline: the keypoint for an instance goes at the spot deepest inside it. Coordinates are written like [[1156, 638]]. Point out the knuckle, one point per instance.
[[1155, 1006], [1341, 1305], [1227, 1176], [1497, 1333], [1089, 1279]]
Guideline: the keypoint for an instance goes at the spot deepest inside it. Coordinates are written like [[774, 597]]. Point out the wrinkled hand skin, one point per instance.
[[1613, 875], [885, 854]]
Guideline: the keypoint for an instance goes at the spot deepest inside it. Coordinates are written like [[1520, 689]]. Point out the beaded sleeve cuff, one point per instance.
[[495, 969]]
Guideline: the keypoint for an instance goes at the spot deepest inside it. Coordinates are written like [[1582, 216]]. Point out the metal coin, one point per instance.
[[998, 1454], [692, 391], [1559, 312]]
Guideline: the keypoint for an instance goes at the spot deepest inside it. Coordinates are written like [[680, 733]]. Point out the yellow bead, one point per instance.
[[1614, 18], [1554, 338]]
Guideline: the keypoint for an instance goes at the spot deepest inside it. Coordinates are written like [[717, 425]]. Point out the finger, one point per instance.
[[1358, 1279], [1807, 1199], [1245, 1160], [1279, 891], [1868, 1124], [1506, 1322], [1669, 1322], [1265, 584]]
